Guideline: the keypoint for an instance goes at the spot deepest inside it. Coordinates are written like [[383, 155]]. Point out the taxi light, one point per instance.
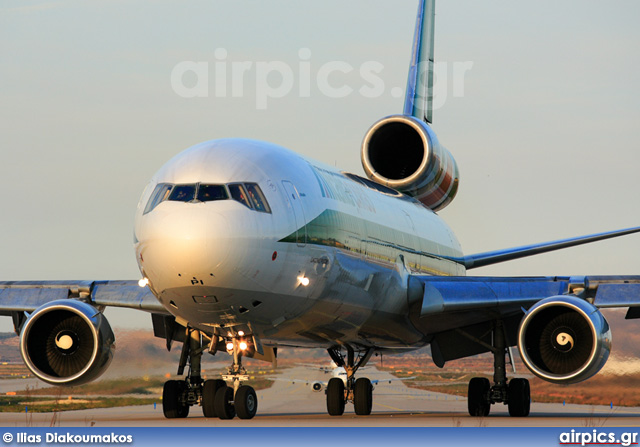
[[143, 282], [241, 333], [303, 280], [243, 346], [229, 346]]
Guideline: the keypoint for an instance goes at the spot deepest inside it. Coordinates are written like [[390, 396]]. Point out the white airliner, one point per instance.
[[319, 385], [245, 247], [335, 371]]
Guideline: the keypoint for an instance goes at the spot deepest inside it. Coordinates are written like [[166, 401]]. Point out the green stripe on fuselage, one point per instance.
[[378, 242]]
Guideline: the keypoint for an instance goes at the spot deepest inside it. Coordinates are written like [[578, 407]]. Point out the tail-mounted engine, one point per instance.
[[564, 340], [403, 153], [67, 342]]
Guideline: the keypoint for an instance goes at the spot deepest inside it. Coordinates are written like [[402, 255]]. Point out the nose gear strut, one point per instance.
[[215, 396]]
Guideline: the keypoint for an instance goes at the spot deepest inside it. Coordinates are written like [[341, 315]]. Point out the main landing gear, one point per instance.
[[215, 396], [359, 391], [516, 393]]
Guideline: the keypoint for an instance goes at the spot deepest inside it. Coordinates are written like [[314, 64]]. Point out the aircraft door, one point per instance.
[[297, 211]]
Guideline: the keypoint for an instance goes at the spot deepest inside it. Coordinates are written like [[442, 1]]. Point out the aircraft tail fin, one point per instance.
[[419, 96]]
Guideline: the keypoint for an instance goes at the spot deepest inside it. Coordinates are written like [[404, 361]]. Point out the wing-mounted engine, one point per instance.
[[67, 342], [564, 340], [403, 153]]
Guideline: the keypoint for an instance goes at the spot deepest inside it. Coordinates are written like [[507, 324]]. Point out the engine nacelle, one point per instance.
[[564, 340], [67, 342], [403, 153]]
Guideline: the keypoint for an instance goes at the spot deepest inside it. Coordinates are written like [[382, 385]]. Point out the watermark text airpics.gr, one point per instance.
[[597, 437], [269, 80]]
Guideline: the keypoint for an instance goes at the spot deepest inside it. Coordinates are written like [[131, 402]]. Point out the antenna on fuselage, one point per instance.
[[419, 96]]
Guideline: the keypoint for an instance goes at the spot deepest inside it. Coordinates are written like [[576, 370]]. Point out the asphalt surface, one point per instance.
[[291, 403]]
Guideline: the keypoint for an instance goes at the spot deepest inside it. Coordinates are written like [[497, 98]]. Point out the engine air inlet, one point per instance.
[[403, 153]]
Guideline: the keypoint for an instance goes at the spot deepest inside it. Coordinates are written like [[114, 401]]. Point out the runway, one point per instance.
[[288, 404]]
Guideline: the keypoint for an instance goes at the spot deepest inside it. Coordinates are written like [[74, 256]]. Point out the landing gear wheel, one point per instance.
[[246, 402], [171, 405], [209, 395], [519, 397], [223, 403], [477, 400], [335, 397], [363, 396]]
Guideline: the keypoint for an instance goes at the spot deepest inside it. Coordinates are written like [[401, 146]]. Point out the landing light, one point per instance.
[[229, 346], [241, 333], [303, 280], [143, 282], [243, 346]]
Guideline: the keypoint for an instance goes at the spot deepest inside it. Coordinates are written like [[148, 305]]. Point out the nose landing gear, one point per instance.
[[237, 399], [215, 396]]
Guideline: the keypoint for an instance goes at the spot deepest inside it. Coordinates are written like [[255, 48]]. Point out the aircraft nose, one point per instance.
[[186, 246]]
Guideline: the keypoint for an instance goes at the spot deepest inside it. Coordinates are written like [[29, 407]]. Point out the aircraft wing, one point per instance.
[[457, 313], [17, 297], [494, 257]]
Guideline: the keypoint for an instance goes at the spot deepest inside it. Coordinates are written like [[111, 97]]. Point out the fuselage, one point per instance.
[[246, 234]]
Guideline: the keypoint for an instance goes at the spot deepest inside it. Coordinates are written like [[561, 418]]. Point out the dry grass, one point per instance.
[[18, 404]]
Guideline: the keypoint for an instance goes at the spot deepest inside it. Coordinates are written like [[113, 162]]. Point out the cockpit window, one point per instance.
[[257, 198], [210, 193], [183, 193], [159, 195], [239, 194], [249, 194]]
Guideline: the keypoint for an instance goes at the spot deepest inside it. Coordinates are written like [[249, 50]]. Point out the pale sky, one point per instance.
[[546, 133]]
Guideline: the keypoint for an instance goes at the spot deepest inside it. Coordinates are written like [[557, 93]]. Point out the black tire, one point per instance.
[[519, 398], [478, 397], [209, 396], [335, 397], [363, 397], [223, 403], [171, 406], [246, 402]]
